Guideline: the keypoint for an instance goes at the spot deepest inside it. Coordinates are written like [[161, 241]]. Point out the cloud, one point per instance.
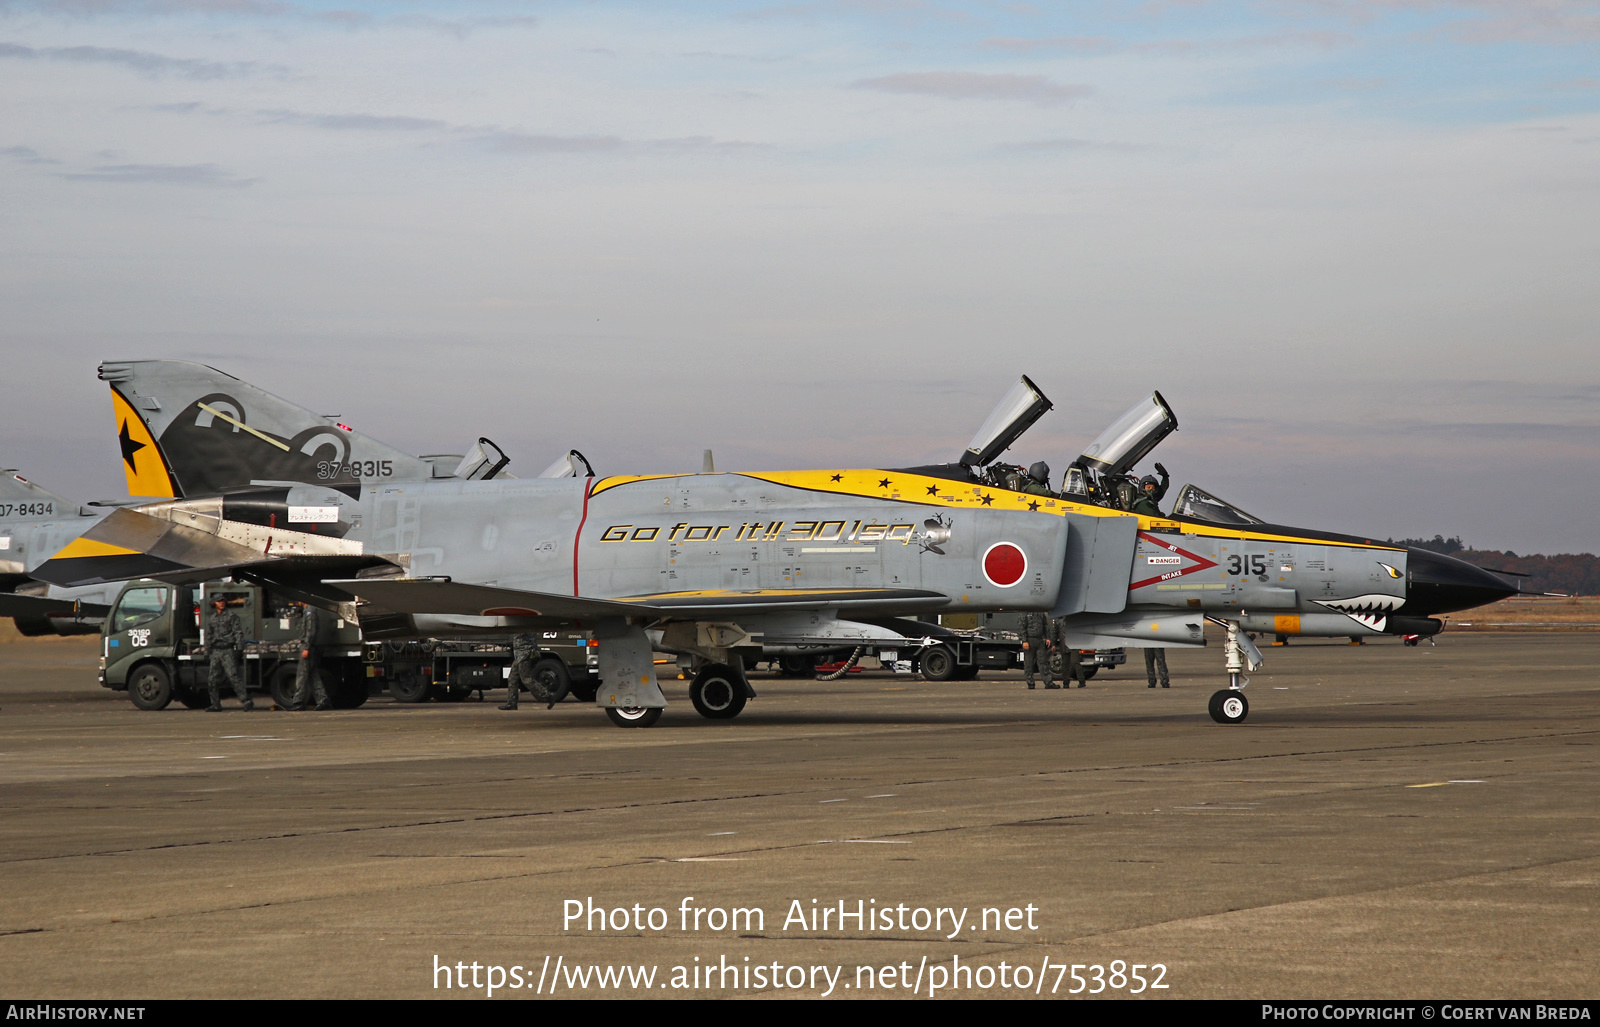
[[972, 85], [1071, 44], [356, 122], [521, 142], [144, 62], [201, 175], [25, 155], [1056, 145], [1320, 38]]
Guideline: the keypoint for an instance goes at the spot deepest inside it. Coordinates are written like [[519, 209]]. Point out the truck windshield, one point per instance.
[[138, 606]]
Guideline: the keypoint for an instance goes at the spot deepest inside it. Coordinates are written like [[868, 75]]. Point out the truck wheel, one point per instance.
[[1089, 672], [150, 686], [633, 716], [409, 689], [938, 664], [345, 695], [717, 693], [282, 687], [551, 675], [1056, 664]]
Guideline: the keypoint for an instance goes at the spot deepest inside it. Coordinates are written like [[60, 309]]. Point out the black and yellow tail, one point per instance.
[[186, 429]]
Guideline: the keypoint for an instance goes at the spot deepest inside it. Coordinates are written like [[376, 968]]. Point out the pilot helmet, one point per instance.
[[1148, 480], [1039, 472]]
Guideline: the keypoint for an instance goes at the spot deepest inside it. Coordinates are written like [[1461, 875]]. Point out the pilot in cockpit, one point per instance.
[[1147, 500]]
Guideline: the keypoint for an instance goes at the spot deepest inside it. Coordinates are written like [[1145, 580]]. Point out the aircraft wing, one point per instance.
[[441, 596]]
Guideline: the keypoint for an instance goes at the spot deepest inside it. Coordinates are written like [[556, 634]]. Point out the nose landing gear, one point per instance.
[[1229, 706]]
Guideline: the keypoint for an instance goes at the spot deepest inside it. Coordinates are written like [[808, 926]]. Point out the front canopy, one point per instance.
[[1022, 406]]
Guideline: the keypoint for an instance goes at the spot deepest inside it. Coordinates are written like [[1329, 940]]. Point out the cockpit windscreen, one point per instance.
[[1203, 506]]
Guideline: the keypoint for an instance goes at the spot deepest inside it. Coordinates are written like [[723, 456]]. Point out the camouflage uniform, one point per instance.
[[524, 652], [1071, 659], [1155, 660], [307, 674], [1036, 631], [224, 641]]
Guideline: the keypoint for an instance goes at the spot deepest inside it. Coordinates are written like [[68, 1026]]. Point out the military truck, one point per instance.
[[152, 647]]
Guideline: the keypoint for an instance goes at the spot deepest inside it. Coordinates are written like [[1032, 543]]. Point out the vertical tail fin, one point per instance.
[[187, 430], [21, 499]]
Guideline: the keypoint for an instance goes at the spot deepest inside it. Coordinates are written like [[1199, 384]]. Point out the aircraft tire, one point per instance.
[[717, 693], [150, 686], [795, 666], [1229, 706], [938, 663], [633, 716]]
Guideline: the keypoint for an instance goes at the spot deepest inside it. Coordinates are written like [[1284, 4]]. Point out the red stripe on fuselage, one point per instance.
[[578, 537]]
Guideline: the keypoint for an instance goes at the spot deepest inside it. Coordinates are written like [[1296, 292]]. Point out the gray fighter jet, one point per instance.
[[35, 523], [712, 566]]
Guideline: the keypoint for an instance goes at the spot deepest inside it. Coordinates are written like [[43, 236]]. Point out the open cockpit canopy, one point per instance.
[[1132, 436], [1022, 406]]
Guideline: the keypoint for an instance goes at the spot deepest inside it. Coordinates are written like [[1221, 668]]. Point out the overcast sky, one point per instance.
[[1355, 243]]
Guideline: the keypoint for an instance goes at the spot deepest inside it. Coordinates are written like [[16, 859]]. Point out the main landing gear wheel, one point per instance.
[[1229, 706], [717, 693], [633, 716]]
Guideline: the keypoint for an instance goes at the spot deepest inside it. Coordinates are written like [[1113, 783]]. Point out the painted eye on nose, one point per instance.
[[1392, 572]]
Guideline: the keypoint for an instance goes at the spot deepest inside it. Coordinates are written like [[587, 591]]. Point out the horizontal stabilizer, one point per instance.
[[33, 607], [129, 544]]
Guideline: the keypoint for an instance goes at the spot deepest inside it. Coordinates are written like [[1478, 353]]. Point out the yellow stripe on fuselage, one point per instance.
[[868, 483]]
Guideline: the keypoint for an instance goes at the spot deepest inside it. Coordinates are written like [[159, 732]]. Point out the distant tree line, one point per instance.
[[1572, 573]]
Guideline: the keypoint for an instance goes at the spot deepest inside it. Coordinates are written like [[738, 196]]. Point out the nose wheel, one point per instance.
[[1229, 706]]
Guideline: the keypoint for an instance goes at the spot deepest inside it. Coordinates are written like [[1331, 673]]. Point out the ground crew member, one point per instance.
[[224, 642], [1148, 499], [1155, 660], [1036, 639], [1071, 659], [524, 651], [307, 675]]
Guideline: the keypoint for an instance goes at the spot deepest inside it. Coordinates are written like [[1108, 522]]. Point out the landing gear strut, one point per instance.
[[1229, 706]]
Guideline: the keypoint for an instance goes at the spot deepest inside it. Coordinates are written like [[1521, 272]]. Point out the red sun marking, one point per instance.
[[1004, 564]]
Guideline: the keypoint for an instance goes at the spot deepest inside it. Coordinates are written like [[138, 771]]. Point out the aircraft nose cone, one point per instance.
[[1443, 584]]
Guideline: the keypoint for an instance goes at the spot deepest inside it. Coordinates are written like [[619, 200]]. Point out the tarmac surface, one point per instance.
[[1389, 822]]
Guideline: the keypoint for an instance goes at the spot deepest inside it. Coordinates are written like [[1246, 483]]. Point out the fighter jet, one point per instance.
[[34, 523], [713, 566]]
